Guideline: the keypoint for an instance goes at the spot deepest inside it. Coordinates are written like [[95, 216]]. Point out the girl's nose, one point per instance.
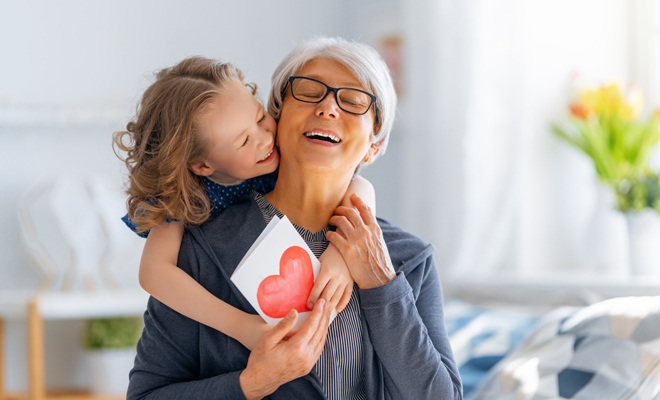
[[266, 138]]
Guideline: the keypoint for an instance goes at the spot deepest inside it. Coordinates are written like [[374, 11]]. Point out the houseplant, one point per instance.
[[110, 351], [607, 127]]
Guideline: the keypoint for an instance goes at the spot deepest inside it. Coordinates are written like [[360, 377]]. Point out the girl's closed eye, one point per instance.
[[246, 140]]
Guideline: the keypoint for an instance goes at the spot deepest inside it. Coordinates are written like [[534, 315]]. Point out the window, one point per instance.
[[654, 89], [645, 49]]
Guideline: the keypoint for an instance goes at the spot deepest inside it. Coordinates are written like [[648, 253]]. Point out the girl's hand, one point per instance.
[[334, 283], [360, 241], [253, 327]]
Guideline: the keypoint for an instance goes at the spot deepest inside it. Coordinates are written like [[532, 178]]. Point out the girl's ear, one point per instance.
[[201, 168]]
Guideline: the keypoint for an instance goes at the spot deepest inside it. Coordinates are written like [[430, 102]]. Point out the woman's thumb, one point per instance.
[[283, 327]]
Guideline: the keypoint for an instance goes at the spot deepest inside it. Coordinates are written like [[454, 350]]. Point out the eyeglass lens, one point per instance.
[[353, 101]]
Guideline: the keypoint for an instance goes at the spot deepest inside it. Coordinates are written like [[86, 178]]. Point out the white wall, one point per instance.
[[486, 181], [72, 72]]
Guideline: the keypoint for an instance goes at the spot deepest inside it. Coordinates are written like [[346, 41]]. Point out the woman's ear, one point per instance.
[[376, 129], [201, 168], [371, 155]]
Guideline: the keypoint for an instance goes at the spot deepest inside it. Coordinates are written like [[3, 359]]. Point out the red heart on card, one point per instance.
[[278, 294]]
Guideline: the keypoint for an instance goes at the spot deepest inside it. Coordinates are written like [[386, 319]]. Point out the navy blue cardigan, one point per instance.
[[407, 351]]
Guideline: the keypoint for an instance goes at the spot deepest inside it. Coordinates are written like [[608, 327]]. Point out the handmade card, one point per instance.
[[278, 272]]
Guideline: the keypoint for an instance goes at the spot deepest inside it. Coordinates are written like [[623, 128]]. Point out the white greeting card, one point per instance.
[[278, 273]]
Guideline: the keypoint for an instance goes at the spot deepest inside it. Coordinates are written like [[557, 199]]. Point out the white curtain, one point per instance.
[[487, 182]]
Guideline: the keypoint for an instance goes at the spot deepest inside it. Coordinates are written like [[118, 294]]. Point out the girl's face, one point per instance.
[[240, 137]]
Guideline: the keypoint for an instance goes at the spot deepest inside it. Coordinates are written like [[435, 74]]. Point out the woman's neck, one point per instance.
[[308, 198]]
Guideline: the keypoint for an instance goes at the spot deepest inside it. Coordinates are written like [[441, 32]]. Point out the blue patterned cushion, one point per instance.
[[607, 351], [481, 337]]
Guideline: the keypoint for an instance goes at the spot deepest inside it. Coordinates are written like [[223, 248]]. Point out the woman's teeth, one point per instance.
[[323, 136], [267, 155]]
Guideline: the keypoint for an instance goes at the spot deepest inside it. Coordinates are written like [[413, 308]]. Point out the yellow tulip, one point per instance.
[[609, 100]]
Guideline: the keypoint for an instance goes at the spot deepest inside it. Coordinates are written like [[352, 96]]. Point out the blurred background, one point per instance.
[[472, 166]]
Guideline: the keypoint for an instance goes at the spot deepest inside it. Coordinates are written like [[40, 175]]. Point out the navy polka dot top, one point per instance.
[[224, 196]]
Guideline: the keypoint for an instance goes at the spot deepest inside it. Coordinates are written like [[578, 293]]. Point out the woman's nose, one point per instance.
[[328, 107]]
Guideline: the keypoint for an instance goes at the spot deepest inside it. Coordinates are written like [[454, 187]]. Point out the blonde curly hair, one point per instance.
[[162, 141]]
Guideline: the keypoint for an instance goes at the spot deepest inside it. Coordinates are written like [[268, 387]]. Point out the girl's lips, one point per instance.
[[270, 156]]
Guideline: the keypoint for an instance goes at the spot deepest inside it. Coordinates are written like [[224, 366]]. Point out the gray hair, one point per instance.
[[362, 60]]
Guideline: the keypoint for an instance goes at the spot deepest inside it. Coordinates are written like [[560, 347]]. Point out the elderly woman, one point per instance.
[[335, 104]]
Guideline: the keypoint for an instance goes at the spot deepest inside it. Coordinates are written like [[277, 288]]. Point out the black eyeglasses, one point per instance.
[[310, 90]]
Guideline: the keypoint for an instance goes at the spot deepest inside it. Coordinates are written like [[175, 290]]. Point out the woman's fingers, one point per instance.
[[305, 344], [355, 218], [310, 326], [335, 237], [364, 210], [276, 361], [342, 243], [338, 241], [338, 233], [318, 339], [282, 329], [351, 214], [344, 227]]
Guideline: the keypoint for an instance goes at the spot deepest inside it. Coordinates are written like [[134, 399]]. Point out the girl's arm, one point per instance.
[[362, 188], [334, 283], [160, 276]]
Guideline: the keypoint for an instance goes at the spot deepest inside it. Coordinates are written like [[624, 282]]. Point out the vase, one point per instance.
[[108, 370], [606, 242], [644, 239]]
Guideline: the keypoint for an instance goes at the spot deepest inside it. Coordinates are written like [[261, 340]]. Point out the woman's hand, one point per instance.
[[334, 283], [360, 241], [276, 360]]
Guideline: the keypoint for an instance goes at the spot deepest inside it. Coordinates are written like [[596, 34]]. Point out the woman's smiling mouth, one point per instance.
[[326, 137]]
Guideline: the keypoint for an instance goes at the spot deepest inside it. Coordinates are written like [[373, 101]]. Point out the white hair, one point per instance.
[[362, 60]]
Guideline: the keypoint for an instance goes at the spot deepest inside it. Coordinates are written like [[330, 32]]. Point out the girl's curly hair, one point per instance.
[[161, 143]]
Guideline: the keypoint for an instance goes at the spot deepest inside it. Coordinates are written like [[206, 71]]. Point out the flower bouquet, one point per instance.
[[606, 126]]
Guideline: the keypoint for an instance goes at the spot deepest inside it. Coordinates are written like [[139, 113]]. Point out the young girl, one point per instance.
[[201, 142]]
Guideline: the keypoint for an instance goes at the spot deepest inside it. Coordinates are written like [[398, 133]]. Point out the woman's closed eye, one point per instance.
[[354, 99]]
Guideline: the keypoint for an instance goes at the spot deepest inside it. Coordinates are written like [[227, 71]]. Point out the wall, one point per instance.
[[486, 181], [71, 74], [78, 69]]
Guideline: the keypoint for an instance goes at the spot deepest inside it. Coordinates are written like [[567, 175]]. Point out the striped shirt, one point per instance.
[[341, 366]]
